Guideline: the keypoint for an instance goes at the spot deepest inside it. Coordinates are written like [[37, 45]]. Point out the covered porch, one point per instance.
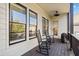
[[21, 21]]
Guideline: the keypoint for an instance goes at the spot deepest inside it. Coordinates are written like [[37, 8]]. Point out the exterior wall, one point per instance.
[[62, 24], [50, 27], [22, 47], [3, 28]]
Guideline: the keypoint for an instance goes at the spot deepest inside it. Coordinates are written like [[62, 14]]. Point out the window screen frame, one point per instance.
[[43, 18], [36, 23], [25, 8]]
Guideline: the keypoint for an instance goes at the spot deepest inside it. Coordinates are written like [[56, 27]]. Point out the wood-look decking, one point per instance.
[[56, 49]]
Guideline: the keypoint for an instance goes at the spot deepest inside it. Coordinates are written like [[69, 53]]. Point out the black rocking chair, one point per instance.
[[43, 45], [49, 38]]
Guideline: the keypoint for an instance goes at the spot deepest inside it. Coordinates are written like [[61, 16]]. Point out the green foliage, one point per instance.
[[17, 27]]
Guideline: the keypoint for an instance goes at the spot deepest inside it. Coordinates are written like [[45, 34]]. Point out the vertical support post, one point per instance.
[[71, 18]]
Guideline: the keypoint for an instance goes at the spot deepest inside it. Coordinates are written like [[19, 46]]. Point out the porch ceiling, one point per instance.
[[50, 8]]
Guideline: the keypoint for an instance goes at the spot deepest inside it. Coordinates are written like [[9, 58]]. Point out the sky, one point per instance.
[[17, 16], [20, 17], [76, 8]]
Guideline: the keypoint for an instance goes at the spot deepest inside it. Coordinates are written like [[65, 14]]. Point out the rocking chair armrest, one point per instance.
[[45, 43]]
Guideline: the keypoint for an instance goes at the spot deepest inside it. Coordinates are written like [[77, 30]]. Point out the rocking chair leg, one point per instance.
[[41, 52], [48, 52]]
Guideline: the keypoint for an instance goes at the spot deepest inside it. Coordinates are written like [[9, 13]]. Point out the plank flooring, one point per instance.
[[56, 49]]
